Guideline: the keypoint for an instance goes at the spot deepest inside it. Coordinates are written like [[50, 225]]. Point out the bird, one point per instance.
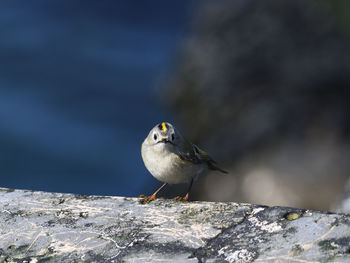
[[172, 159]]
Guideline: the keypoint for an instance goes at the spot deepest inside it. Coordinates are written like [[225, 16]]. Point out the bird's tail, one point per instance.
[[213, 166]]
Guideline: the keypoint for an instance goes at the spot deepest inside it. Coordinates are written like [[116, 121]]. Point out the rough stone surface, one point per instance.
[[54, 227]]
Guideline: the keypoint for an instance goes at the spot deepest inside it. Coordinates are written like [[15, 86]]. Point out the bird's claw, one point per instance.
[[181, 199], [147, 199]]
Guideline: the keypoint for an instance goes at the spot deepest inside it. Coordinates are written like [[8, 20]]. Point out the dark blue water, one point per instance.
[[77, 91]]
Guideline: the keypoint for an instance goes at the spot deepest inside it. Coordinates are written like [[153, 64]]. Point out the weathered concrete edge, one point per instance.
[[209, 231]]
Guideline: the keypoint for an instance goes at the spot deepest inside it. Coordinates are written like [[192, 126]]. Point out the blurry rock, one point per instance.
[[257, 77], [343, 204]]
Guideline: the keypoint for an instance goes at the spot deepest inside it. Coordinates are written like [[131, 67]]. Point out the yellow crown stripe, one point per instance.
[[164, 128]]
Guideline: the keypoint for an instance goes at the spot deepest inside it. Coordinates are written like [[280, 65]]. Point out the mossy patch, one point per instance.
[[335, 247], [297, 249], [291, 216], [187, 215]]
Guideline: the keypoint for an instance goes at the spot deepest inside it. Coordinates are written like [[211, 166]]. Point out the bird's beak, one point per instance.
[[165, 140]]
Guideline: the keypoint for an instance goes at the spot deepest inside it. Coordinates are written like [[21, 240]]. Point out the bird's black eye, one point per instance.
[[172, 136], [155, 137]]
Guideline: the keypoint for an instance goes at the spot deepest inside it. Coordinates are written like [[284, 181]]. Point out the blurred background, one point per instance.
[[263, 86]]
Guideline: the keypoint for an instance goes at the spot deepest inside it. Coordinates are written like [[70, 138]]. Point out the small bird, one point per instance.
[[172, 159]]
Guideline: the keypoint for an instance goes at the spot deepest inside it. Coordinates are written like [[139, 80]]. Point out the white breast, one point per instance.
[[166, 166]]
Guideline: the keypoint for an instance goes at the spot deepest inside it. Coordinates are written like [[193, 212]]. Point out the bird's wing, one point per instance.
[[190, 156], [189, 153], [204, 156], [193, 154]]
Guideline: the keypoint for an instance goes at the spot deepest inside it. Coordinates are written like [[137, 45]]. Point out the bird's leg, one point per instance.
[[187, 196], [154, 196]]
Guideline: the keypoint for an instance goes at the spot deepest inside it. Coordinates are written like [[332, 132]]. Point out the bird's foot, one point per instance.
[[181, 199], [147, 199]]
